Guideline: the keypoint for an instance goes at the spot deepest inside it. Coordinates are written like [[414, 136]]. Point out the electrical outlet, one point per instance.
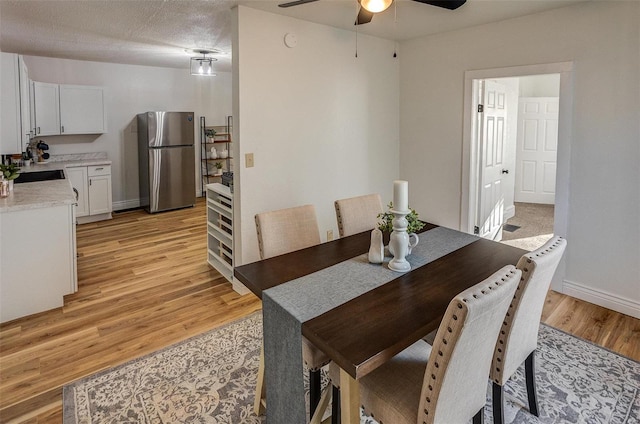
[[248, 160], [329, 235]]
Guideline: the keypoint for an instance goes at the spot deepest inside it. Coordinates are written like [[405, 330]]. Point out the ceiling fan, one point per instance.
[[365, 14]]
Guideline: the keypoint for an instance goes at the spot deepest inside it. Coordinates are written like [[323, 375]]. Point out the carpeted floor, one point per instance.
[[534, 224], [211, 379]]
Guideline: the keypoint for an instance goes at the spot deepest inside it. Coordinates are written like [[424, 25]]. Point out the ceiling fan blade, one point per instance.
[[364, 16], [295, 3], [447, 4]]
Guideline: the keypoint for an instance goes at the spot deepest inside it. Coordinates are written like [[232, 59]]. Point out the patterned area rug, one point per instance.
[[211, 378]]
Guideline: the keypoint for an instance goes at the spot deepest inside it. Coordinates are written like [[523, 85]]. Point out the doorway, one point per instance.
[[471, 152], [517, 138]]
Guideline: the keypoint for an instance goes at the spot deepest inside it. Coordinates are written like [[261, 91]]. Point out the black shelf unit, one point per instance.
[[221, 137]]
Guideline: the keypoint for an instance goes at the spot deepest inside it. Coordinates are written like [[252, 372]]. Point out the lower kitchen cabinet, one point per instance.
[[99, 190], [80, 184], [38, 261], [92, 185]]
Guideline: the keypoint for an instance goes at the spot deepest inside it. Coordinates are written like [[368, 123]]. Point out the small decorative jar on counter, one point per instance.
[[4, 188]]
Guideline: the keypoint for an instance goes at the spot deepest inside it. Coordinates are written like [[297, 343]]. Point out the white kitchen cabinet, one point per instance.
[[81, 109], [25, 104], [92, 185], [10, 107], [46, 98], [99, 189], [79, 181], [38, 261], [61, 109], [15, 116]]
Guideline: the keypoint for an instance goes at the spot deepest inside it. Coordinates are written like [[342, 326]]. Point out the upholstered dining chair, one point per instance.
[[445, 383], [518, 338], [279, 232], [285, 230], [358, 214]]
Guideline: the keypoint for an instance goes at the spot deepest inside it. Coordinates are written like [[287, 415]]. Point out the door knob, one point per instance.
[[505, 171]]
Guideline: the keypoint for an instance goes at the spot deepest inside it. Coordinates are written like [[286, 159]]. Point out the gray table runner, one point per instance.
[[287, 306]]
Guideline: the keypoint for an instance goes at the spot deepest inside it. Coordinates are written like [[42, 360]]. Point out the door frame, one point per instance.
[[470, 160]]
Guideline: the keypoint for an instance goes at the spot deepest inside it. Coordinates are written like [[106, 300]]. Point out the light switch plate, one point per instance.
[[248, 160]]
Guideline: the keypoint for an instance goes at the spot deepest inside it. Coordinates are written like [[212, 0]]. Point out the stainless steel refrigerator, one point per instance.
[[166, 159]]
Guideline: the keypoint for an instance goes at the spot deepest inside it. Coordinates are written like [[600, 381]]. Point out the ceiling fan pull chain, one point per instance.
[[358, 3], [395, 26]]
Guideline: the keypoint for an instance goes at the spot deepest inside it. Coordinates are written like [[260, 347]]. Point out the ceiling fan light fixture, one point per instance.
[[375, 6]]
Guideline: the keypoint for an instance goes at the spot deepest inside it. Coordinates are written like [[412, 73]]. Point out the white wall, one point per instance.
[[540, 85], [129, 90], [602, 39], [322, 124]]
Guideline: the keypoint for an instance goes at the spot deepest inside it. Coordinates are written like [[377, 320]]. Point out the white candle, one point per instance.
[[401, 195]]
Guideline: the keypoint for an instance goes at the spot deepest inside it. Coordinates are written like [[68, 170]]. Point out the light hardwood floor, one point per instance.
[[144, 284]]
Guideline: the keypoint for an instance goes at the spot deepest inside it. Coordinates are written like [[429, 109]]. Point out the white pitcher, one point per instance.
[[413, 242]]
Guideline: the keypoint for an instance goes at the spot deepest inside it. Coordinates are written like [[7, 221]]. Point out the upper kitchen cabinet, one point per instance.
[[81, 109], [14, 104], [68, 109], [46, 98], [25, 103]]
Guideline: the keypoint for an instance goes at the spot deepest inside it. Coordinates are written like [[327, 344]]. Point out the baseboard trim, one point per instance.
[[239, 288], [126, 204], [133, 203], [509, 212], [93, 218], [601, 298]]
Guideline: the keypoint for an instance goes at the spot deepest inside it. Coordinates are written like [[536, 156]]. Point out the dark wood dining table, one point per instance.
[[365, 332]]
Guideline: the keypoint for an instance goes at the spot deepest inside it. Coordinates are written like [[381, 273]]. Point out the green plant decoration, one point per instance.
[[209, 132], [218, 165], [10, 172], [386, 218]]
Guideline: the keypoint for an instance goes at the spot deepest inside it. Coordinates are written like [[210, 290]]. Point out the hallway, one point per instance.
[[534, 224]]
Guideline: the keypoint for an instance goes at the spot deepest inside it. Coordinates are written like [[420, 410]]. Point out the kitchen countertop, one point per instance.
[[52, 165], [45, 194]]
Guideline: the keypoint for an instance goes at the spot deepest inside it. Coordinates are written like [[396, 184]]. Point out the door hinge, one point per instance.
[[480, 108], [476, 230]]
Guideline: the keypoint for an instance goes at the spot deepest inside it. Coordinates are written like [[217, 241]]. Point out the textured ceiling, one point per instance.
[[157, 32]]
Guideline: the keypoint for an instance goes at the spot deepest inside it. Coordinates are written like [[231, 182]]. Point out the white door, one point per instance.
[[492, 133], [47, 108], [81, 109], [99, 194], [10, 139], [25, 104], [537, 148], [78, 178]]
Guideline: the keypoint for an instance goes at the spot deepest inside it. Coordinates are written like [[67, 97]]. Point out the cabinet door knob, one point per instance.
[[38, 130], [62, 128], [76, 192]]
